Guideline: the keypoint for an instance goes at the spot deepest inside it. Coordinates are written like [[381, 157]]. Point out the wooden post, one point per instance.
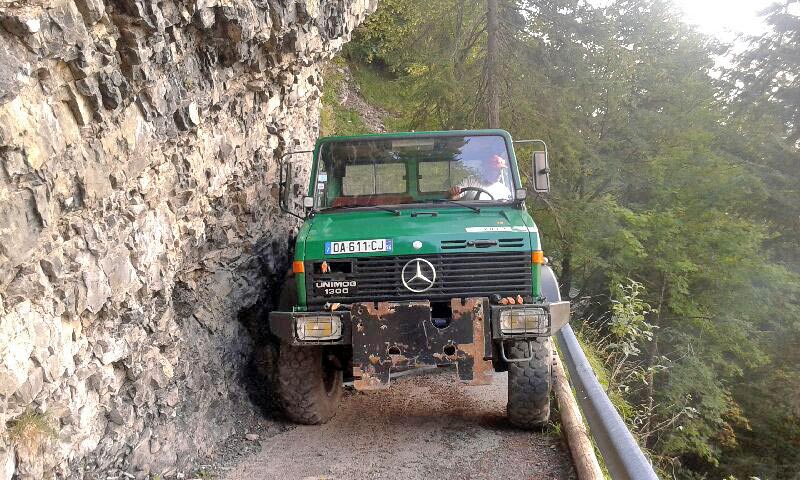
[[580, 446]]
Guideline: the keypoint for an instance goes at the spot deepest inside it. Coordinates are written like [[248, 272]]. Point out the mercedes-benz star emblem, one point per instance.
[[418, 275]]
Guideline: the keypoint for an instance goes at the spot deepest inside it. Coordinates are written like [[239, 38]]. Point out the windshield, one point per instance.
[[395, 171]]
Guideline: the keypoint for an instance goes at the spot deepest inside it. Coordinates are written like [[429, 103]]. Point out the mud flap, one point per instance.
[[391, 336]]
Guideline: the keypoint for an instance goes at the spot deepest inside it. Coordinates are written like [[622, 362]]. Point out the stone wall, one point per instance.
[[139, 146]]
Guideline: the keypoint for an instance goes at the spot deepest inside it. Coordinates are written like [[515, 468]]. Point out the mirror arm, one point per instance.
[[293, 153], [294, 215], [532, 141]]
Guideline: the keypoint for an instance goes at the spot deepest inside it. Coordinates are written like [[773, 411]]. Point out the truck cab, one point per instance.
[[416, 250]]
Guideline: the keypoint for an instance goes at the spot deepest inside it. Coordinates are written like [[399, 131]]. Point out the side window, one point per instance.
[[321, 188]]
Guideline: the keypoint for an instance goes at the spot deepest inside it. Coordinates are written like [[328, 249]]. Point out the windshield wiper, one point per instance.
[[395, 211], [447, 200]]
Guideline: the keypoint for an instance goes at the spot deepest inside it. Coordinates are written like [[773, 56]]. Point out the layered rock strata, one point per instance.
[[139, 148]]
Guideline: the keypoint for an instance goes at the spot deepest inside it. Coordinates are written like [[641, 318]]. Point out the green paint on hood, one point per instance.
[[451, 223]]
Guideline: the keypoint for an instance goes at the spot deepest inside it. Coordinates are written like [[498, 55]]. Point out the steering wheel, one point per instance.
[[476, 189]]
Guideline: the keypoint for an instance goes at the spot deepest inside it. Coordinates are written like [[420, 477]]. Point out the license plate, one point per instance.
[[358, 246]]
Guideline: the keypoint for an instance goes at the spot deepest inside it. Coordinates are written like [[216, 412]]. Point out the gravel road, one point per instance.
[[424, 427]]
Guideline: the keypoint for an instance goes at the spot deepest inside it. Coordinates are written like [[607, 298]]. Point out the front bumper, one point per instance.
[[391, 336]]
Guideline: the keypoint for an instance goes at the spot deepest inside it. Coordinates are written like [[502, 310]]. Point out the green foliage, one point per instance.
[[672, 220], [379, 88], [597, 356], [765, 113], [628, 325], [767, 71]]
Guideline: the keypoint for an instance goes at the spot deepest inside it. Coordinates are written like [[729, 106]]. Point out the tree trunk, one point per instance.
[[492, 91]]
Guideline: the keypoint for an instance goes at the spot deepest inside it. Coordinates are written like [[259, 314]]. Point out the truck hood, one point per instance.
[[453, 229]]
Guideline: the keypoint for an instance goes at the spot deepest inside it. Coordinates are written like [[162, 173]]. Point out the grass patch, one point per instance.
[[596, 360], [378, 88], [336, 119], [30, 430], [553, 428]]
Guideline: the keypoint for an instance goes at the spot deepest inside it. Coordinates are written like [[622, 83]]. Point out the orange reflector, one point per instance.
[[537, 257], [298, 267]]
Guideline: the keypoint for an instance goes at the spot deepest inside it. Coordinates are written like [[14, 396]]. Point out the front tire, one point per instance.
[[529, 383], [309, 385]]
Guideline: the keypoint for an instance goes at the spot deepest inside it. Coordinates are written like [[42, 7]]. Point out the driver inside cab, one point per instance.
[[492, 183]]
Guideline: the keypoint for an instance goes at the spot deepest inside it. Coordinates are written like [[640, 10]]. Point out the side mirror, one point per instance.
[[286, 186], [541, 173]]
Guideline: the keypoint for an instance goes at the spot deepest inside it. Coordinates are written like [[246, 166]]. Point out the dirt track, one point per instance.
[[424, 427]]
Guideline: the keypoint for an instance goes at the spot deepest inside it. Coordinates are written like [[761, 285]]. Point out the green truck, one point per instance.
[[416, 250]]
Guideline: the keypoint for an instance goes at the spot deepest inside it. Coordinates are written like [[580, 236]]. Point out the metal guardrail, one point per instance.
[[622, 454]]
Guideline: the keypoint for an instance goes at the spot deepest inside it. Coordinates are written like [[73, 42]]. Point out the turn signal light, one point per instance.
[[537, 256], [298, 267]]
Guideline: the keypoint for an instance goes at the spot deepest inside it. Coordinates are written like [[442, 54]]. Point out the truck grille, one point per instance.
[[458, 275], [500, 242]]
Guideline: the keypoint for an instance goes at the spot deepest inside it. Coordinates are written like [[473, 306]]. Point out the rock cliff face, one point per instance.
[[139, 146]]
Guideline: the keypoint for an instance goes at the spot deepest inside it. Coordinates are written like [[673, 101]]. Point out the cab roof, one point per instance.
[[439, 133]]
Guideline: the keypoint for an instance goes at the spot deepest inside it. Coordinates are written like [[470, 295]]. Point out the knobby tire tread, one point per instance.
[[529, 384], [301, 385]]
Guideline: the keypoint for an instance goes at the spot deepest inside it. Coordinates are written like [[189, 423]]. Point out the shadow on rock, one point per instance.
[[259, 376]]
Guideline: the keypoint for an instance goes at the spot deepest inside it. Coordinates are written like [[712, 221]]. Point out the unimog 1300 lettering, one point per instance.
[[417, 250]]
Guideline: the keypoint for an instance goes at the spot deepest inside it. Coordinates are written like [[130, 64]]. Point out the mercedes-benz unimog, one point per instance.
[[417, 250]]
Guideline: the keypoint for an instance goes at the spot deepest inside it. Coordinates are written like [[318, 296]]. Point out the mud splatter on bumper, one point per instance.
[[390, 336]]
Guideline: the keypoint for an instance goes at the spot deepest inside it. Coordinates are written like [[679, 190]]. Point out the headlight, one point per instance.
[[523, 320], [318, 327]]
